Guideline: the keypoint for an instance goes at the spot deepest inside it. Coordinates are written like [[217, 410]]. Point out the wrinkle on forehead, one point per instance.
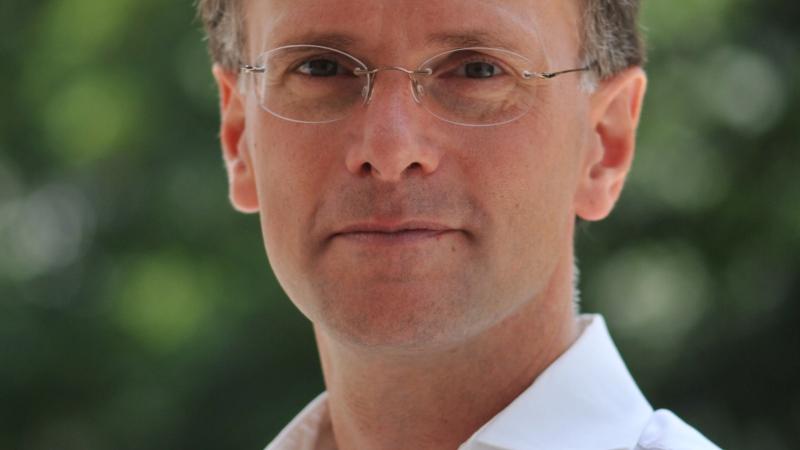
[[393, 26]]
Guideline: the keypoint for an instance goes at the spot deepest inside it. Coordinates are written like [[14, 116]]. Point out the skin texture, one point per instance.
[[425, 336]]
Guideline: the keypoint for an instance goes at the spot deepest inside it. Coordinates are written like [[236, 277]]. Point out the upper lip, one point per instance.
[[392, 227]]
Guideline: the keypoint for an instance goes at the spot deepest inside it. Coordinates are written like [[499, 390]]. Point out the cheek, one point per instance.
[[290, 176], [527, 184], [527, 171]]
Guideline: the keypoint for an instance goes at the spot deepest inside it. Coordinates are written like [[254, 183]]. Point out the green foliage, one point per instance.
[[137, 309]]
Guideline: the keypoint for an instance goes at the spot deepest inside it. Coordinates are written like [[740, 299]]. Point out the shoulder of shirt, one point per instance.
[[666, 431]]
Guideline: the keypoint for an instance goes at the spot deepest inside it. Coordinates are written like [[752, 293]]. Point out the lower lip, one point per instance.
[[397, 238]]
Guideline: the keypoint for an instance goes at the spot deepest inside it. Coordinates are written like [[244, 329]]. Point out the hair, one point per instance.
[[611, 42]]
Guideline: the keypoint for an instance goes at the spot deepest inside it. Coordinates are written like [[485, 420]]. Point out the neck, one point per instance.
[[438, 400]]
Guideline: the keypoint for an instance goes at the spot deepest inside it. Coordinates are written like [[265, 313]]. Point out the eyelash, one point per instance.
[[295, 67], [461, 65], [458, 70]]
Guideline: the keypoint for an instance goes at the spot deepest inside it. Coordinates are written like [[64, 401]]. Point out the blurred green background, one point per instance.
[[137, 309]]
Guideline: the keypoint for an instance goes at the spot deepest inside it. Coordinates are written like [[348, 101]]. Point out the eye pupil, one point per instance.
[[322, 68], [479, 70]]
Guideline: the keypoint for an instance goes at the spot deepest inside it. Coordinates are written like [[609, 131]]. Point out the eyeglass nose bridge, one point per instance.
[[417, 91]]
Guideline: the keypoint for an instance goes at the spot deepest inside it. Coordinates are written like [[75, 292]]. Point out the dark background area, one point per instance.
[[137, 309]]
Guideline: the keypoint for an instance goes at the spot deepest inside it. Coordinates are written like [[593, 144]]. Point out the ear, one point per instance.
[[614, 116], [241, 177]]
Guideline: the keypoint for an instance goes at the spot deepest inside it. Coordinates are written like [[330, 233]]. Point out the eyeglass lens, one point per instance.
[[465, 86]]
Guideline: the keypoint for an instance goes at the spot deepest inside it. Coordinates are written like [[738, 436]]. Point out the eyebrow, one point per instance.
[[335, 40], [469, 38]]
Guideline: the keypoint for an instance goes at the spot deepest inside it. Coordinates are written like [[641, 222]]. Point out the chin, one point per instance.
[[402, 316]]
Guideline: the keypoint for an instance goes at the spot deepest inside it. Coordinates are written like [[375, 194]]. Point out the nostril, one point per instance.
[[366, 168]]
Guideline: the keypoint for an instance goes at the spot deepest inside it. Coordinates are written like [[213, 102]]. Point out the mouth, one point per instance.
[[388, 234]]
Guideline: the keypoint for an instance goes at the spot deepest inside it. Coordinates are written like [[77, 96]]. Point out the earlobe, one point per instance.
[[241, 177], [614, 117]]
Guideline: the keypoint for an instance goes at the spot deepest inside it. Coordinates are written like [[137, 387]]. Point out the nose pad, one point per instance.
[[417, 91], [366, 91]]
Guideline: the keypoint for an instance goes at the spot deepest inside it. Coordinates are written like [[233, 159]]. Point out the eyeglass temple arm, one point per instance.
[[548, 75], [247, 68]]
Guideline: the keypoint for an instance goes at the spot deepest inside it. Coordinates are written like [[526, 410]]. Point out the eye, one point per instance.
[[468, 65], [479, 69], [320, 67]]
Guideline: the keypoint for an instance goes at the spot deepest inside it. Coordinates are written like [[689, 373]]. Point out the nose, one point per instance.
[[394, 140]]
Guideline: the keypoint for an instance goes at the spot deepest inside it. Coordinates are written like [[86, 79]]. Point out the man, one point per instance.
[[418, 167]]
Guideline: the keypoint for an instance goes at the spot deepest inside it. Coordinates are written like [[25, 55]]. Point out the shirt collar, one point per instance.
[[586, 399], [310, 430]]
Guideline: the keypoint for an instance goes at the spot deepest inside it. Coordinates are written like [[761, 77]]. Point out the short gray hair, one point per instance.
[[612, 40], [224, 24]]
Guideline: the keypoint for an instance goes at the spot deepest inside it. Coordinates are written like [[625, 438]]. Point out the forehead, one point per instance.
[[413, 25]]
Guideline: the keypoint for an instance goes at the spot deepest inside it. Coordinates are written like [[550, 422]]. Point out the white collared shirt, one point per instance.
[[585, 400]]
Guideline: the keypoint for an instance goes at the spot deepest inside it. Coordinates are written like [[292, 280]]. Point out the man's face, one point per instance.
[[392, 227]]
